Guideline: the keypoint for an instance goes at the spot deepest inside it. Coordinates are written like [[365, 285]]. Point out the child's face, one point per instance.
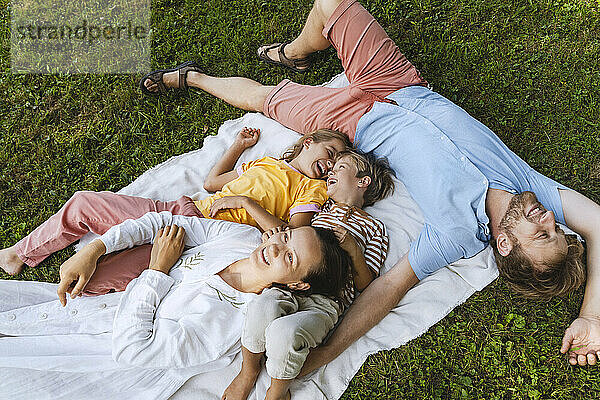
[[316, 159], [342, 179]]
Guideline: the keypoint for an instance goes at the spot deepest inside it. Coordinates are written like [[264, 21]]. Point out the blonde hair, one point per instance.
[[318, 136], [558, 278], [378, 169]]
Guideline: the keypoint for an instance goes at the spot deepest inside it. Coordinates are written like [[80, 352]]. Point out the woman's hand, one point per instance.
[[80, 267], [247, 137], [167, 248], [268, 233], [227, 202]]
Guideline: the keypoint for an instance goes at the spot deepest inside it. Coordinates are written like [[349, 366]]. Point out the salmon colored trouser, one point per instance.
[[96, 212]]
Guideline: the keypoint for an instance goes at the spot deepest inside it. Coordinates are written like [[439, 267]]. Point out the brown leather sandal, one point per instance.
[[157, 77], [299, 65]]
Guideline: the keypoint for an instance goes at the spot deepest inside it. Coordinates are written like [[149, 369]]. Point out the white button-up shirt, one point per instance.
[[142, 343]]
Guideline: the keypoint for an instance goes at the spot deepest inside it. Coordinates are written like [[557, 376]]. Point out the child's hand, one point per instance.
[[227, 202], [167, 248], [267, 234], [346, 239], [247, 137]]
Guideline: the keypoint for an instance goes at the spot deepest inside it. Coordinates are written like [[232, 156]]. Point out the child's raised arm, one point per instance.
[[223, 172]]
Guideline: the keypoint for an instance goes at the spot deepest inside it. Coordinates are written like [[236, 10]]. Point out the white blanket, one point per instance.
[[424, 305]]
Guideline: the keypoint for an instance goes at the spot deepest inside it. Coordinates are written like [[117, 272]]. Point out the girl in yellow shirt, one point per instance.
[[290, 189]]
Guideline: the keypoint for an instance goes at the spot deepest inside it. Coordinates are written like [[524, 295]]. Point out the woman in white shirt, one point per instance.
[[171, 323]]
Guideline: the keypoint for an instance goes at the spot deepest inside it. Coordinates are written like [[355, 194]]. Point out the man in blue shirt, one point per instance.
[[471, 188]]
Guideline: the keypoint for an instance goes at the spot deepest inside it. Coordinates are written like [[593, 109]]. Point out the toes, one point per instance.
[[150, 85], [262, 49], [573, 360], [591, 359]]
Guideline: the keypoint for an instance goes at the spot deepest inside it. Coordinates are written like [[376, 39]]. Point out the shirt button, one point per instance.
[[73, 312], [484, 181], [462, 158], [442, 137], [102, 306], [43, 316], [12, 317]]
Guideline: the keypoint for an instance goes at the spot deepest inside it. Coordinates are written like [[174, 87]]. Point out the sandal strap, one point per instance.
[[182, 79], [300, 62], [162, 88], [183, 73]]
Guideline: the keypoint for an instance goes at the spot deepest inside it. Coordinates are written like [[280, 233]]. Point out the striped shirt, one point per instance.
[[369, 233]]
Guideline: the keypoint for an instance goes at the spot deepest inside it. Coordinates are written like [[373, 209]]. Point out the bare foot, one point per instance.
[[10, 262], [240, 387]]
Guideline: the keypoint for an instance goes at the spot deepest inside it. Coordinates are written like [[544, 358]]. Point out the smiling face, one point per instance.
[[288, 256], [342, 180], [317, 158], [533, 227]]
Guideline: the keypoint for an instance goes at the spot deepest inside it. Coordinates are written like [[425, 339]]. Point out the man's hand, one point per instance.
[[227, 202], [267, 234], [167, 248], [247, 137], [80, 268], [582, 341]]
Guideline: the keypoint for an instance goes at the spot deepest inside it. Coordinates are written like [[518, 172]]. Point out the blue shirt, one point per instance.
[[447, 160]]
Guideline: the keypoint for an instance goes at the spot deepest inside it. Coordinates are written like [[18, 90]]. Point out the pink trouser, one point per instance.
[[373, 63], [96, 212]]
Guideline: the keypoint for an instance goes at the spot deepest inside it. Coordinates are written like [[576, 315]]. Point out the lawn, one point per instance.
[[528, 69]]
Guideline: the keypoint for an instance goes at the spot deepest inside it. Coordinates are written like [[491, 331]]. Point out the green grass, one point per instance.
[[527, 69]]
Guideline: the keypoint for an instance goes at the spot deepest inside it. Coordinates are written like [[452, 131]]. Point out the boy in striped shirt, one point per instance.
[[284, 325], [356, 181]]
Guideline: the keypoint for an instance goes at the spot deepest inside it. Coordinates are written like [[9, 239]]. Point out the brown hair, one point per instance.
[[318, 136], [558, 277], [333, 272], [331, 278], [378, 169]]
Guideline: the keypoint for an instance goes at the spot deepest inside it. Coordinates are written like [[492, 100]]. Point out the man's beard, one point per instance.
[[517, 208]]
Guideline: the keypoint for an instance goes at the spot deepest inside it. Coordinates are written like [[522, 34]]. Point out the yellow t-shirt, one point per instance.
[[275, 185]]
